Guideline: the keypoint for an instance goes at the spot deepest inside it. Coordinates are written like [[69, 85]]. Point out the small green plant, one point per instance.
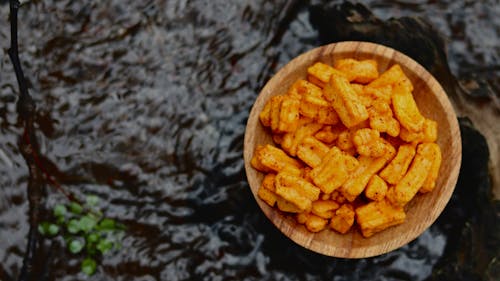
[[85, 230]]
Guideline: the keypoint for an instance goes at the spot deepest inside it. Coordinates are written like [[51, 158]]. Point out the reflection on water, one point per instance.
[[144, 103]]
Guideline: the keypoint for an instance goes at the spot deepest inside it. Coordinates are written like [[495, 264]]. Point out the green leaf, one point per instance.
[[48, 229], [75, 208], [92, 200], [73, 226], [53, 229], [60, 210], [43, 228], [87, 223], [75, 246], [107, 224], [89, 266], [104, 245], [92, 238]]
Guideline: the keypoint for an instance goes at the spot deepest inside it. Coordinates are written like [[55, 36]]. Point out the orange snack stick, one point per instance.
[[382, 120], [343, 219], [315, 223], [324, 208], [289, 115], [318, 109], [329, 133], [274, 113], [292, 140], [267, 190], [409, 185], [302, 87], [377, 216], [428, 133], [333, 170], [271, 158], [368, 166], [321, 73], [390, 77], [299, 184], [363, 71], [265, 114], [397, 168], [312, 151], [381, 94], [345, 101], [286, 206], [376, 188], [302, 217], [369, 143], [430, 181], [405, 109], [337, 196], [344, 142]]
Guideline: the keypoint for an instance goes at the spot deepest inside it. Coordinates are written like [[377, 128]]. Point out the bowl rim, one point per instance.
[[286, 224]]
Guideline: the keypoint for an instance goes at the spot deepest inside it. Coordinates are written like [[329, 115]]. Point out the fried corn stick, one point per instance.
[[377, 216]]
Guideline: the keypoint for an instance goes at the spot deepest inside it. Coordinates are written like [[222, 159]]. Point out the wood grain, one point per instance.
[[422, 211]]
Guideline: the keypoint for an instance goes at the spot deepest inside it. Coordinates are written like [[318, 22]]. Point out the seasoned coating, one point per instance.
[[271, 158], [318, 109], [312, 151], [315, 223], [363, 71], [376, 188], [322, 72], [345, 101], [369, 143], [405, 109], [409, 185], [377, 216], [292, 140], [333, 170], [324, 208], [382, 120], [427, 134], [343, 219], [368, 166], [397, 168], [430, 181]]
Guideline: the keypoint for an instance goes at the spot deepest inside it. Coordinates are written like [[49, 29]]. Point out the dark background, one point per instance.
[[144, 103]]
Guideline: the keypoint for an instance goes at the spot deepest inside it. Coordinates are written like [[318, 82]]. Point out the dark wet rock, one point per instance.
[[144, 103]]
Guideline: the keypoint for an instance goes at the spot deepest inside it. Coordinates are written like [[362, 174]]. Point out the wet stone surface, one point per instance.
[[144, 104]]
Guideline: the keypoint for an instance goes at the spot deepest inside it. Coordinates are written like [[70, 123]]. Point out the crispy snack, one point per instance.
[[382, 120], [405, 109], [265, 114], [321, 73], [377, 216], [292, 140], [430, 181], [296, 190], [333, 170], [345, 101], [330, 133], [427, 134], [267, 190], [381, 94], [368, 166], [324, 208], [369, 143], [302, 87], [286, 206], [390, 77], [376, 188], [414, 179], [343, 219], [344, 159], [344, 142], [397, 168], [270, 158], [337, 197], [318, 109], [363, 71], [315, 223], [312, 151]]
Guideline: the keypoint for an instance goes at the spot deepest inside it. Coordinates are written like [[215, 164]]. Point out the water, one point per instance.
[[144, 103]]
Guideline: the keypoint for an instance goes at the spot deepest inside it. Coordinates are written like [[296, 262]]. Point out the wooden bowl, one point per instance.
[[422, 211]]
